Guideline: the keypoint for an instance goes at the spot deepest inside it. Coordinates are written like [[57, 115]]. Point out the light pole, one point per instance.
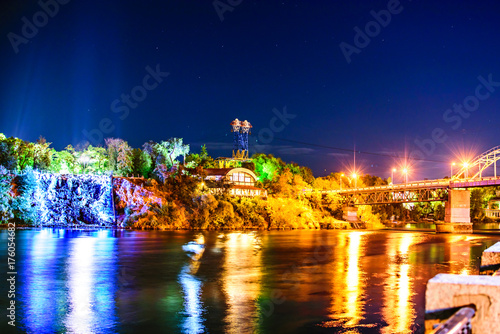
[[451, 170], [405, 172], [392, 175], [466, 166], [341, 176], [354, 176]]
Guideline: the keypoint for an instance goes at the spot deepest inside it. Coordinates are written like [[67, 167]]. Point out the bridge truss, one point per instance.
[[479, 164], [427, 190], [391, 197]]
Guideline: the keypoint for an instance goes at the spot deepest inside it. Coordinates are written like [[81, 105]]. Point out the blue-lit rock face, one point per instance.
[[66, 199]]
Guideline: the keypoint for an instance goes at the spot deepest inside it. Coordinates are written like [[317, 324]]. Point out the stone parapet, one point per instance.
[[445, 291]]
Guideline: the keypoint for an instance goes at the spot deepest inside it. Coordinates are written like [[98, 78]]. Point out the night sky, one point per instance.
[[396, 84]]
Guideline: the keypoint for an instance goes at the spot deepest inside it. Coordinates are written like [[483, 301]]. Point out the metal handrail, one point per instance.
[[458, 323]]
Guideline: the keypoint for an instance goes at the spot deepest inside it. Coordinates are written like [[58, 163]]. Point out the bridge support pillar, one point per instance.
[[457, 213], [350, 214]]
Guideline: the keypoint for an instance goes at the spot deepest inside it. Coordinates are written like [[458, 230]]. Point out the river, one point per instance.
[[325, 281]]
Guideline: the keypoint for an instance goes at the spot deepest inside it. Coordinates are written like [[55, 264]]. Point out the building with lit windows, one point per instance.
[[236, 181]]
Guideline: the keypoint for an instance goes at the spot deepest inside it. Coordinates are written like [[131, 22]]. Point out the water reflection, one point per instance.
[[80, 280], [348, 281], [348, 285], [242, 281], [91, 274], [39, 277], [354, 284], [398, 309], [191, 286], [69, 283]]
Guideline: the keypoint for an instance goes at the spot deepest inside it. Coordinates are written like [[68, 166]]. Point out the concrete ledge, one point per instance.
[[454, 227], [449, 291], [491, 256]]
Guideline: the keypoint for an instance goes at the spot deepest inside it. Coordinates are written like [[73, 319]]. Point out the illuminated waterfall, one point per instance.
[[67, 199]]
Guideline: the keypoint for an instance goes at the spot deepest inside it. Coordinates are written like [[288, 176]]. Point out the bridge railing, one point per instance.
[[416, 184], [492, 213], [438, 183], [458, 323]]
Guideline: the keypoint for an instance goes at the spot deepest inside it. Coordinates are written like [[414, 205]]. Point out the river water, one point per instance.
[[229, 282]]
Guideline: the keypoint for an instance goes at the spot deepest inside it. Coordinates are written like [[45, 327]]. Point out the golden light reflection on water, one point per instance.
[[398, 310], [347, 283], [355, 286], [242, 281]]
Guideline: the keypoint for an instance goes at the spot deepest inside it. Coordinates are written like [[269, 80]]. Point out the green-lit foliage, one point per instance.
[[267, 166], [141, 163], [42, 155], [478, 202], [202, 159], [171, 149], [439, 212], [151, 156]]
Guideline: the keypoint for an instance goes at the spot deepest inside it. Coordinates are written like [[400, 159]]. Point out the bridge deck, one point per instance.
[[419, 191], [426, 184]]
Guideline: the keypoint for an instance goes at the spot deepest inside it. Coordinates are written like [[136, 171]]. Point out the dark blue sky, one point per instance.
[[264, 55]]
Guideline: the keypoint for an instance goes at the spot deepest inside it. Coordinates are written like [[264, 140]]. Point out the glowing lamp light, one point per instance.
[[405, 172], [354, 175]]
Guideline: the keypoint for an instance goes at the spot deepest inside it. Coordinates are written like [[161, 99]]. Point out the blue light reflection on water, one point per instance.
[[38, 290], [68, 283], [191, 286]]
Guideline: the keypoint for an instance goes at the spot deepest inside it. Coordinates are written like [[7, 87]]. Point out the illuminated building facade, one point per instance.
[[236, 181]]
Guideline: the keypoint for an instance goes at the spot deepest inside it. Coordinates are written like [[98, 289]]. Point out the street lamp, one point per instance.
[[451, 169], [354, 176], [466, 166], [392, 175], [405, 172], [341, 176]]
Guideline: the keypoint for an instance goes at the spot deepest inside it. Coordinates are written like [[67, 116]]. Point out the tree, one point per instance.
[[329, 182], [17, 153], [478, 202], [151, 155], [8, 157], [140, 162], [202, 159], [23, 205], [171, 149], [100, 158], [267, 166], [119, 156], [42, 154], [67, 159]]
